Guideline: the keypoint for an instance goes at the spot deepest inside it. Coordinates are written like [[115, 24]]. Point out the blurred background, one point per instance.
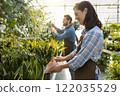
[[108, 10]]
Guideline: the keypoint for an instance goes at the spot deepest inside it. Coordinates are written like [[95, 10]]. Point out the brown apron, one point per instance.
[[69, 47], [87, 71]]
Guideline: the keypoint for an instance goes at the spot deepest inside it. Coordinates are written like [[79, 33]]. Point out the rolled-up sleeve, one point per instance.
[[60, 31], [73, 53], [89, 46]]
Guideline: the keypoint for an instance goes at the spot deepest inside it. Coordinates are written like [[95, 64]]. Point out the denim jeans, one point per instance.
[[96, 76], [71, 73]]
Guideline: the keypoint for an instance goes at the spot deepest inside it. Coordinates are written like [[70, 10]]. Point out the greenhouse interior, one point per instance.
[[27, 43]]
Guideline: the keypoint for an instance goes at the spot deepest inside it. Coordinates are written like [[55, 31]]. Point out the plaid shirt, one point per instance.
[[91, 48]]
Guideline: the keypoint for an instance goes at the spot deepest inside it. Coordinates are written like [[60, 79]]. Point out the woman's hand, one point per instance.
[[57, 68], [59, 59]]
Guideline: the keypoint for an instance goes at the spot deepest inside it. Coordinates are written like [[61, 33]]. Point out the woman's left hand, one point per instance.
[[57, 68]]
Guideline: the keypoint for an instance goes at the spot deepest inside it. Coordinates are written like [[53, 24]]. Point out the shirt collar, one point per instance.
[[68, 26], [84, 32]]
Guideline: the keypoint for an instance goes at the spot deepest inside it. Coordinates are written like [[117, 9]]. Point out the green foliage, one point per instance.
[[106, 32], [114, 27], [22, 58], [113, 46], [114, 37], [27, 59], [113, 70], [14, 13], [76, 25], [21, 20], [103, 61]]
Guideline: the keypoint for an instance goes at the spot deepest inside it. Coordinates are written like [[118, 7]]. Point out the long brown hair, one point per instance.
[[91, 20]]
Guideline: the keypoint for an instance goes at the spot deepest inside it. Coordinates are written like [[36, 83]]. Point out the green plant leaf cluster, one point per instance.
[[27, 59], [113, 69], [103, 61], [22, 58], [112, 33], [21, 20]]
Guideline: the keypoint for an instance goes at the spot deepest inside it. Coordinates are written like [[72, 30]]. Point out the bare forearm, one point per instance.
[[59, 68], [55, 27], [68, 57], [65, 66], [61, 59]]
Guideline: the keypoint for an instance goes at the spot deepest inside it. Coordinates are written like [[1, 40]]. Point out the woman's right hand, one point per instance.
[[59, 59]]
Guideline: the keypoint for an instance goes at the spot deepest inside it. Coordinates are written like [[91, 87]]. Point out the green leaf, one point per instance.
[[5, 73]]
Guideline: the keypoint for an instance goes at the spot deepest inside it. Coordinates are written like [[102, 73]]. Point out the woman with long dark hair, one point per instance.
[[83, 59]]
